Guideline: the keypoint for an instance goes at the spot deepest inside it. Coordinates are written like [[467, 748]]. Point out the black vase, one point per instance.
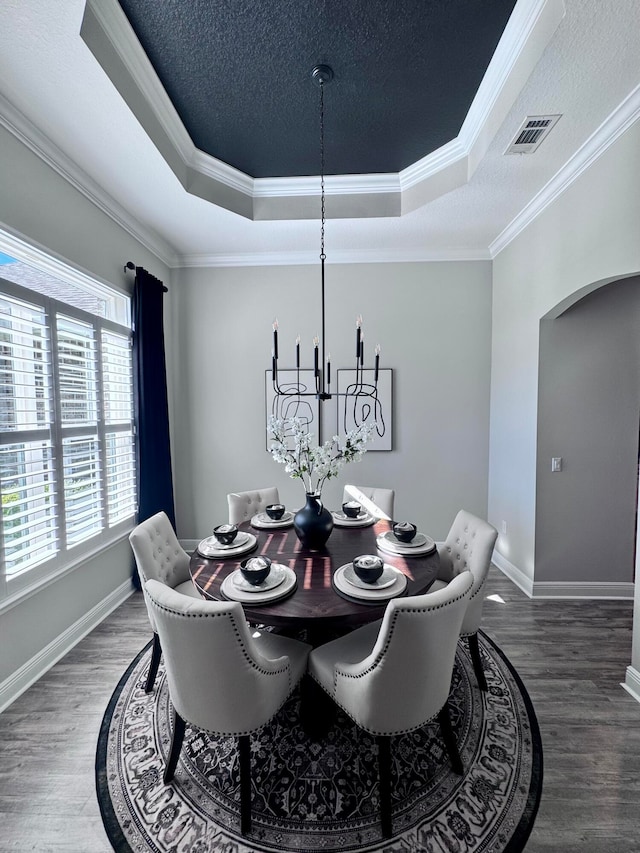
[[313, 523]]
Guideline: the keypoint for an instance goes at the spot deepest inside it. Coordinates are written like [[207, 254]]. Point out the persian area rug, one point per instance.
[[323, 796]]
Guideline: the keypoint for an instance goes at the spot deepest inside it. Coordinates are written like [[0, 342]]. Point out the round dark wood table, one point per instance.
[[315, 606]]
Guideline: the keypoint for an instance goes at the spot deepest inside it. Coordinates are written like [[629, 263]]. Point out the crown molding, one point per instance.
[[611, 129], [108, 34], [334, 185], [115, 25], [28, 251], [29, 135], [528, 31], [286, 259]]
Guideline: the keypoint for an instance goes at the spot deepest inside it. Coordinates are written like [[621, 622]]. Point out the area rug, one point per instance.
[[323, 796]]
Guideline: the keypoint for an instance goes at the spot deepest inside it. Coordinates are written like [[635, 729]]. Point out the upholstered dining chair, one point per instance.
[[244, 505], [377, 502], [394, 675], [160, 556], [468, 547], [222, 677]]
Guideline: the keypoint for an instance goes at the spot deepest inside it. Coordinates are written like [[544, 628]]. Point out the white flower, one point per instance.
[[314, 465]]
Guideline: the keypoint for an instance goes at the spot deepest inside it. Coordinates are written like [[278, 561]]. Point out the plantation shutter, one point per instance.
[[27, 464], [78, 395], [118, 418]]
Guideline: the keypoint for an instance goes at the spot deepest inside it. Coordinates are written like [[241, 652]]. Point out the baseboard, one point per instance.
[[632, 683], [513, 573], [190, 545], [561, 589], [35, 668], [584, 589]]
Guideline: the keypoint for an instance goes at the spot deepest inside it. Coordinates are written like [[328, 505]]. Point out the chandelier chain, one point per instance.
[[322, 254]]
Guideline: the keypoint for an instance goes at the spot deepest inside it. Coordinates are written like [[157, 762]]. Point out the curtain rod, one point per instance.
[[131, 266]]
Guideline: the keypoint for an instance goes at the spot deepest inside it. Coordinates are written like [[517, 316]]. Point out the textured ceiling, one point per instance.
[[56, 96], [238, 74]]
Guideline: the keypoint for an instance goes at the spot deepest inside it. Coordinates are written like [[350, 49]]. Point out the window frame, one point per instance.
[[31, 579]]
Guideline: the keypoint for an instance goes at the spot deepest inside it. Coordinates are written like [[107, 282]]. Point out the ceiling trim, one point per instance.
[[32, 137], [618, 122], [108, 34], [286, 259]]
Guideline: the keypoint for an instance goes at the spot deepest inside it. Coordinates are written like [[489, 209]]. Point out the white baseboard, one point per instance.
[[586, 589], [190, 545], [513, 573], [35, 668], [632, 683], [561, 589]]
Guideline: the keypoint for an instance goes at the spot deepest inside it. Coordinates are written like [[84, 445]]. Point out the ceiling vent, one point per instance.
[[531, 133]]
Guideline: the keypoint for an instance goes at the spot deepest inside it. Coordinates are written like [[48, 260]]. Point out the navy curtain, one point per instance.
[[151, 409]]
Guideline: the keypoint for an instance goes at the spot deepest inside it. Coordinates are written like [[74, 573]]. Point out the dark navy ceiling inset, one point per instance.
[[238, 74]]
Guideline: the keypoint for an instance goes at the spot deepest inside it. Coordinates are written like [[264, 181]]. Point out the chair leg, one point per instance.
[[384, 774], [176, 745], [448, 736], [244, 749], [317, 709], [477, 662], [153, 666]]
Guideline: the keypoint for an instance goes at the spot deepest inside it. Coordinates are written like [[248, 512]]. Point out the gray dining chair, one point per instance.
[[468, 547], [394, 675], [244, 505], [222, 677], [377, 502], [160, 556]]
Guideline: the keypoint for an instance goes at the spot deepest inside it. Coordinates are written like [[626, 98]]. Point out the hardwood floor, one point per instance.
[[571, 656]]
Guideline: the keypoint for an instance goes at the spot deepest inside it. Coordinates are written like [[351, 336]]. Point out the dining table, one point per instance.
[[316, 605]]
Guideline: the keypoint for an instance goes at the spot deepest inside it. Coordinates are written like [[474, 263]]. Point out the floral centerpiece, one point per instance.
[[313, 465]]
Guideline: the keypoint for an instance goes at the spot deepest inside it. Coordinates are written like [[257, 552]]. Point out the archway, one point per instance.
[[588, 415]]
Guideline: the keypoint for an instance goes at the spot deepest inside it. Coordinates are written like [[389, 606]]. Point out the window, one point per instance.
[[67, 463]]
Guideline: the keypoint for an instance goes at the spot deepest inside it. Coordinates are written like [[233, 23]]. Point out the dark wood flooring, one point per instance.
[[571, 656]]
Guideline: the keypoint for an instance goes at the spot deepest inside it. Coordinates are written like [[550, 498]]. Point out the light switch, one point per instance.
[[556, 463]]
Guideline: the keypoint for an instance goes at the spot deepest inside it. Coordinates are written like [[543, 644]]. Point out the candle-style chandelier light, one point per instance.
[[359, 402]]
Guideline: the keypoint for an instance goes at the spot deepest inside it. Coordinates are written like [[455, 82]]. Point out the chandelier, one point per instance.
[[359, 402]]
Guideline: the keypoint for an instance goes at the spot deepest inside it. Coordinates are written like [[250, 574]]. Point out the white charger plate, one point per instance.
[[389, 543], [371, 594], [262, 521], [230, 590], [389, 575], [362, 520], [210, 547]]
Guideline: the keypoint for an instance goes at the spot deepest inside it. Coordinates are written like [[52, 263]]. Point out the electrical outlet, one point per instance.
[[556, 463], [504, 528]]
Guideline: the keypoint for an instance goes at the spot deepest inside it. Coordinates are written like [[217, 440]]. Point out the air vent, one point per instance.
[[531, 133]]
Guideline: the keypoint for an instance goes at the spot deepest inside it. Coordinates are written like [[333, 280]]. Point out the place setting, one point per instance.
[[403, 538], [275, 517], [259, 580], [368, 579], [352, 515], [227, 541]]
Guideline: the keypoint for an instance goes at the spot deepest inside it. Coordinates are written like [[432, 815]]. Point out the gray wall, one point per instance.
[[37, 204], [433, 322], [588, 235], [588, 409]]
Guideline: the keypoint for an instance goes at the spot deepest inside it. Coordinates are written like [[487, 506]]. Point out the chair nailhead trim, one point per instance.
[[386, 645], [372, 731], [247, 656]]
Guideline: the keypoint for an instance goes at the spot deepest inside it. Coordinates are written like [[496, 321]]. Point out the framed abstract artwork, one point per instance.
[[290, 405], [366, 403]]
